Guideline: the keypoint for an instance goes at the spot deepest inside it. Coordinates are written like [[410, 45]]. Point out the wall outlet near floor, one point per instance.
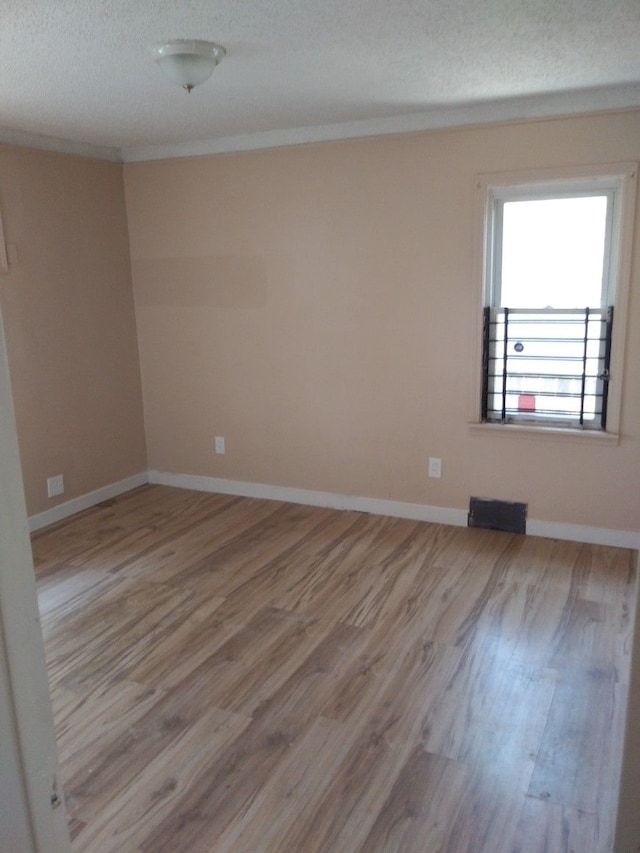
[[435, 467], [55, 486], [219, 443]]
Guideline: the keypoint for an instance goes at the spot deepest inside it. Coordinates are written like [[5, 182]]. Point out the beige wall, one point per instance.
[[69, 321], [317, 307]]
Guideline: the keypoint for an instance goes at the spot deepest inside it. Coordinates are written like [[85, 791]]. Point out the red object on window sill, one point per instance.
[[526, 402]]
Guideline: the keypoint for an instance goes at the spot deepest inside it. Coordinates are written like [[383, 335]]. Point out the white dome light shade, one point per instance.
[[187, 62]]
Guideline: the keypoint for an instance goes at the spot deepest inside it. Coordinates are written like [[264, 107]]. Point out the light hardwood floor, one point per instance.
[[232, 674]]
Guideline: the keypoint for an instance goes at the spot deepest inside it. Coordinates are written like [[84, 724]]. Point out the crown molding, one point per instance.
[[42, 142], [527, 108]]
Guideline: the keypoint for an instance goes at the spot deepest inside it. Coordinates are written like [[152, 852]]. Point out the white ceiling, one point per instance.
[[80, 75]]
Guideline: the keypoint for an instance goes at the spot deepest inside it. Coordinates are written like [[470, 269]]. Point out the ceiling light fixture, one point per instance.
[[187, 62]]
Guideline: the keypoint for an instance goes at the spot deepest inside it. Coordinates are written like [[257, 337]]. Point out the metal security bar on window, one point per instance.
[[546, 366]]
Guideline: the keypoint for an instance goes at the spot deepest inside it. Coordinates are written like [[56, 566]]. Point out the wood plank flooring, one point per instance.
[[231, 674]]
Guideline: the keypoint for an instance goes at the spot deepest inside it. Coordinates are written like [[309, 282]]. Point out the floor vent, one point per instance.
[[497, 515]]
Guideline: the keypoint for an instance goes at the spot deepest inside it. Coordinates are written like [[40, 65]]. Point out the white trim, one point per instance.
[[584, 533], [28, 741], [309, 497], [545, 432], [375, 506], [398, 509], [619, 177], [63, 146], [64, 510], [627, 835], [525, 108]]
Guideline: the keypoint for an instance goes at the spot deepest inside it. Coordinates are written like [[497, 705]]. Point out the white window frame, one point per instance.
[[619, 179]]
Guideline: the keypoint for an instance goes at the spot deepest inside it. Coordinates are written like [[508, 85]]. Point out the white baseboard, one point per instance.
[[375, 506], [398, 509], [64, 510], [584, 533]]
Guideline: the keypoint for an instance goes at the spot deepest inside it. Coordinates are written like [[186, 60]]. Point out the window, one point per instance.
[[555, 264]]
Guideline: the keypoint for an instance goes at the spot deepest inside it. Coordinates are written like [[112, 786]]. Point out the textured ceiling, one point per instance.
[[83, 71]]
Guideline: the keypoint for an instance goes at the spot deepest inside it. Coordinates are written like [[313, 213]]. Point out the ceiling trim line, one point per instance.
[[528, 108], [24, 139]]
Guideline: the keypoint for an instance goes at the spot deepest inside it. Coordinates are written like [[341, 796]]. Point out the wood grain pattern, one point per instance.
[[230, 674]]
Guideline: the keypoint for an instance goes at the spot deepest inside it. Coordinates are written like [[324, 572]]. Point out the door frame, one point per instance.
[[31, 797]]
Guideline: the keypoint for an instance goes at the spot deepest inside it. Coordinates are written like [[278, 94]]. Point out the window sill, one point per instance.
[[563, 434]]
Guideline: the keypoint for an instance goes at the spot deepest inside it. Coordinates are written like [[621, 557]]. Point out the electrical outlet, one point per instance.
[[55, 486], [219, 443], [435, 467]]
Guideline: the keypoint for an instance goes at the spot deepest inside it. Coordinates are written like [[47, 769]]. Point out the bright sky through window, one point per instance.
[[553, 252]]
